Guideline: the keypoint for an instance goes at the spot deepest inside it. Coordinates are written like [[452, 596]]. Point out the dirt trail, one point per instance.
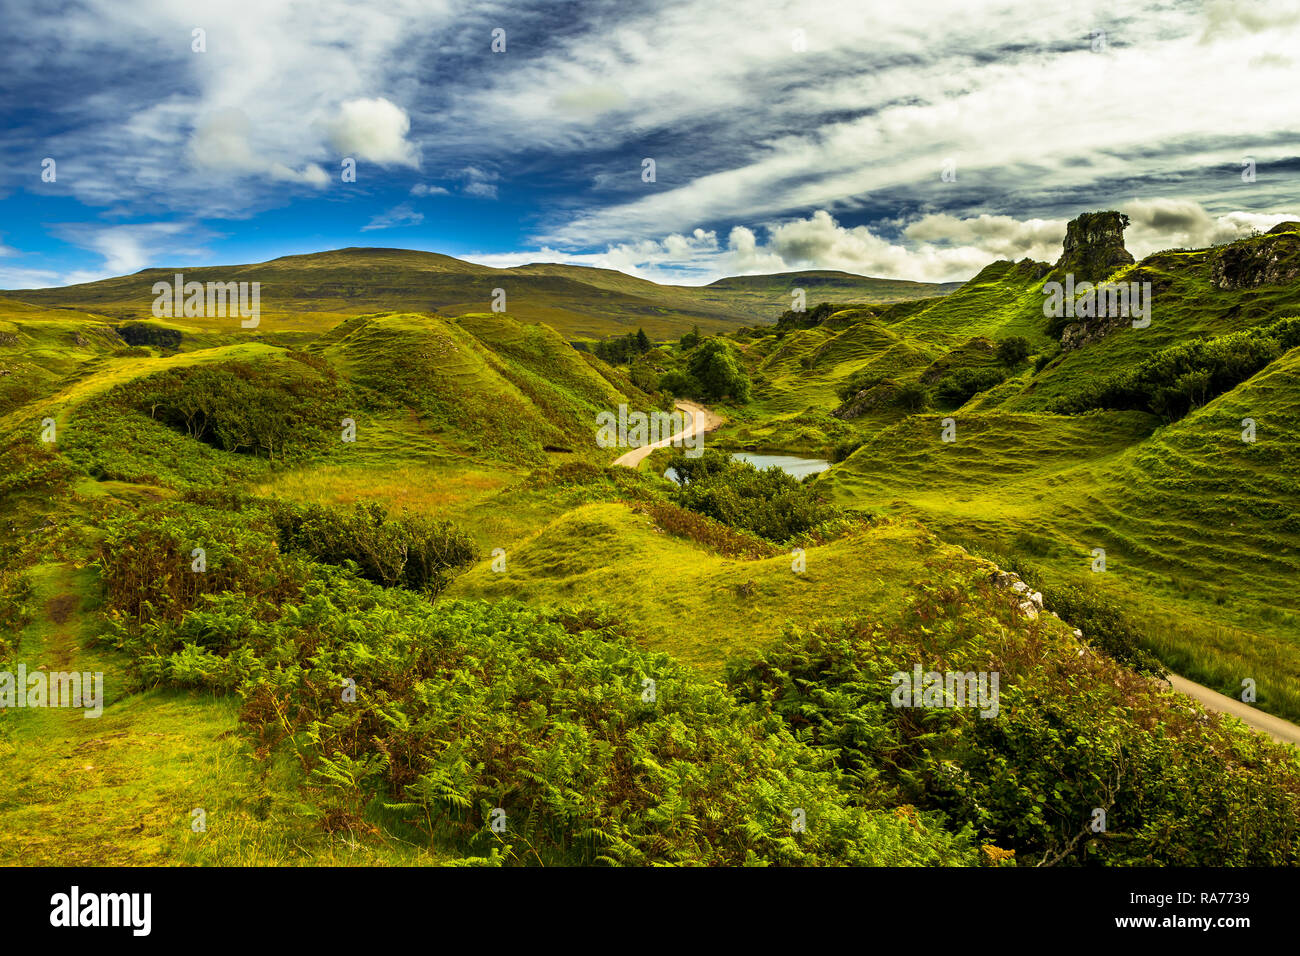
[[114, 789], [701, 420], [1280, 730]]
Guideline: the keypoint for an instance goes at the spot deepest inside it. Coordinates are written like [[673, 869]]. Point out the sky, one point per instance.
[[678, 141]]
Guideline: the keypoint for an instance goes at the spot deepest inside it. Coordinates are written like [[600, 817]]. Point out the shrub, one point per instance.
[[912, 397], [1180, 378], [768, 503], [465, 707], [407, 550], [146, 333], [1012, 351], [151, 571], [707, 531], [1072, 733], [959, 386], [844, 449], [857, 382], [718, 372], [258, 408]]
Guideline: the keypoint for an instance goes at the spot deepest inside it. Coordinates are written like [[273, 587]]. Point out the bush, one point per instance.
[[146, 333], [1046, 357], [1012, 351], [151, 572], [718, 372], [768, 503], [406, 550], [1184, 377], [461, 708], [844, 449], [1072, 733], [858, 382], [959, 386], [707, 531], [258, 408], [791, 320], [912, 397]]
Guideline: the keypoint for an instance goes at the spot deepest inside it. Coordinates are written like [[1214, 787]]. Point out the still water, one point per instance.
[[790, 464]]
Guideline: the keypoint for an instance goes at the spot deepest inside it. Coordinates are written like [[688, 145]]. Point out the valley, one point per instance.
[[387, 488]]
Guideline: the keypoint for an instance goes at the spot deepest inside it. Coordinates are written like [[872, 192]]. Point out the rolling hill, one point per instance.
[[311, 293], [543, 594], [1106, 436]]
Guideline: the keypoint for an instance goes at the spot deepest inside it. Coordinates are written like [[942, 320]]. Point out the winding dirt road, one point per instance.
[[701, 420], [1280, 730]]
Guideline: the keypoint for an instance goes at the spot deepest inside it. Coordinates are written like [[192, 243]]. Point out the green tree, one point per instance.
[[717, 369]]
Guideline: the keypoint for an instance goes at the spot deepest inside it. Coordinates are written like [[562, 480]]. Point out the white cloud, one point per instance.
[[762, 143], [129, 248], [480, 182], [221, 143], [1002, 237], [1157, 224], [375, 130], [425, 189], [932, 248], [402, 215]]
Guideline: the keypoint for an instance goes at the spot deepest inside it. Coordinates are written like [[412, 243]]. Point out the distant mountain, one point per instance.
[[311, 293]]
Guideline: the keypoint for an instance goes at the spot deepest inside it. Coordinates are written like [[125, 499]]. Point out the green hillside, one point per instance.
[[1103, 436], [311, 293], [362, 579]]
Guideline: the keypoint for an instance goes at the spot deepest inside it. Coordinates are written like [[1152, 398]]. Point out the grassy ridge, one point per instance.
[[312, 293]]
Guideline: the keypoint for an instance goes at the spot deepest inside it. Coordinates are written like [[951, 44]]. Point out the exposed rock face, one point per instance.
[[1271, 259], [1028, 601], [1078, 334], [865, 400], [1030, 270], [1093, 250], [1094, 246]]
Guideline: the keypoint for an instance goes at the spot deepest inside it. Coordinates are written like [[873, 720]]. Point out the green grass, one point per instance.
[[680, 598], [488, 420]]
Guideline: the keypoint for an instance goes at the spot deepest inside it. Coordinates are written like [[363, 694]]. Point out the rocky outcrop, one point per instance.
[[1078, 334], [1028, 601], [1030, 270], [866, 400], [1094, 246], [1270, 259]]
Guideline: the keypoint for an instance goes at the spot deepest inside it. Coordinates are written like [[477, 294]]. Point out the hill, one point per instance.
[[311, 293], [239, 528], [1101, 435]]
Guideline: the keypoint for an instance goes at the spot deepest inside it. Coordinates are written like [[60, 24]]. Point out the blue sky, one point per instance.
[[784, 135]]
